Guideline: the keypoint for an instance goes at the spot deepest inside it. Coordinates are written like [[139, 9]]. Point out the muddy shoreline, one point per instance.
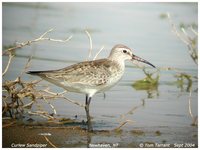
[[41, 136]]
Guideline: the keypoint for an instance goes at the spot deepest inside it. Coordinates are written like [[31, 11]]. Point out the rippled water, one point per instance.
[[137, 25]]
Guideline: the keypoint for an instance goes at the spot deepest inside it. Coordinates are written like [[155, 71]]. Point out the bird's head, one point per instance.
[[121, 52]]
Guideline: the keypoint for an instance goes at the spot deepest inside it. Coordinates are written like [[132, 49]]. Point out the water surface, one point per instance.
[[137, 25]]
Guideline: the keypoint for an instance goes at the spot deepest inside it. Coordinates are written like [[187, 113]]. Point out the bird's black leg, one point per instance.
[[87, 104]]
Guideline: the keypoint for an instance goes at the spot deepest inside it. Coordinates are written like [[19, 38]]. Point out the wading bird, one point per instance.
[[91, 77]]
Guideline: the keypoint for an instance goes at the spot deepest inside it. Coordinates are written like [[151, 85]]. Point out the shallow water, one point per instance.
[[137, 25]]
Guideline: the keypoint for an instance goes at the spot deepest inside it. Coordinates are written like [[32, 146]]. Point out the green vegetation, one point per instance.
[[148, 83], [181, 81]]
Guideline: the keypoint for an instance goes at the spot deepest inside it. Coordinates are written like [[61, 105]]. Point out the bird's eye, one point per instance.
[[124, 51]]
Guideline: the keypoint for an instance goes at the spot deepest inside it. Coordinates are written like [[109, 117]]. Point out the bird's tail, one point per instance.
[[33, 72], [38, 72]]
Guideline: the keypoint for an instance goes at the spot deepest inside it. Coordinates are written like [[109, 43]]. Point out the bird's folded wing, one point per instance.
[[90, 73]]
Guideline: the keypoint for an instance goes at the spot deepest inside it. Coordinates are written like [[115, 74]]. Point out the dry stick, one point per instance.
[[90, 40], [41, 38], [123, 123], [129, 112], [50, 39], [57, 40], [35, 82], [191, 28], [175, 30], [186, 34], [58, 95], [61, 93], [27, 65], [133, 109], [194, 119], [191, 49], [74, 102], [49, 141], [98, 53], [29, 104], [190, 111], [52, 93], [20, 45], [90, 50], [54, 110], [8, 64], [42, 114], [187, 42]]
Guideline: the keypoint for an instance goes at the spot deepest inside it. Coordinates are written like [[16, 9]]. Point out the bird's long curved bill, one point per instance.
[[134, 57]]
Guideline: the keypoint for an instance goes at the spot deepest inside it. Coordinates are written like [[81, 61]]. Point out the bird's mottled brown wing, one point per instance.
[[91, 73]]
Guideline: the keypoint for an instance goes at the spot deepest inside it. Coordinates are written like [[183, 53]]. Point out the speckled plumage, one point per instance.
[[90, 77], [84, 77]]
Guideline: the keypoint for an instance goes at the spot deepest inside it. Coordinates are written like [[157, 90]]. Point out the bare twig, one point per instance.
[[42, 114], [123, 116], [95, 57], [132, 110], [74, 102], [27, 65], [54, 110], [123, 123], [175, 30], [17, 90], [58, 40], [194, 119], [55, 94], [41, 38], [186, 34], [28, 105], [190, 111], [90, 40], [60, 95], [49, 141], [186, 39], [8, 64], [195, 32], [45, 33]]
